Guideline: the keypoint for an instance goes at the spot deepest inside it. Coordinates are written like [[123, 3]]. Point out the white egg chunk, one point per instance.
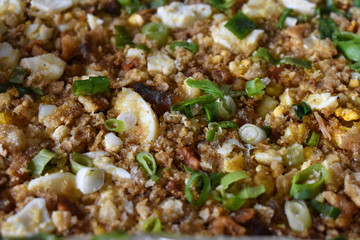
[[90, 180], [49, 67], [180, 15], [45, 110], [290, 21], [159, 62], [52, 6], [301, 6], [255, 9], [37, 31], [93, 21], [9, 57], [11, 6], [226, 38], [107, 164], [128, 118], [62, 184], [267, 157], [147, 127], [32, 219], [320, 101], [112, 142]]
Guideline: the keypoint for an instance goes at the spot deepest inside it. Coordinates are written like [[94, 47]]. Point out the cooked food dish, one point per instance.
[[202, 117]]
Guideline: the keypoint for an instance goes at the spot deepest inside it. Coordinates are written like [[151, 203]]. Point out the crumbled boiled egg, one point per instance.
[[11, 6], [112, 142], [49, 67], [226, 38], [9, 57], [301, 6], [51, 6], [161, 63], [290, 21], [107, 164], [32, 219], [37, 31], [262, 9], [267, 157], [321, 101], [93, 21], [179, 15], [147, 127]]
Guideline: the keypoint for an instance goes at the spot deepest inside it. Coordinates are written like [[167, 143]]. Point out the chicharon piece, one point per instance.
[[196, 118]]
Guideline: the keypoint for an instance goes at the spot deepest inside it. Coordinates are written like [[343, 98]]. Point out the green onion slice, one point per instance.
[[232, 202], [18, 75], [202, 100], [115, 125], [117, 235], [327, 27], [331, 7], [240, 25], [301, 110], [313, 139], [206, 86], [147, 161], [122, 37], [298, 215], [266, 55], [215, 179], [226, 89], [222, 5], [192, 47], [308, 183], [156, 31], [212, 112], [267, 130], [91, 86], [348, 44], [131, 6], [214, 127], [251, 192], [157, 3], [296, 62], [230, 178], [205, 188], [152, 225], [355, 66], [38, 164], [254, 87], [325, 209], [78, 161], [356, 3], [283, 16], [22, 90], [294, 156], [226, 107]]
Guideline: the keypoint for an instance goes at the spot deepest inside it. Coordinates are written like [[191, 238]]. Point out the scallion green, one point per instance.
[[308, 183], [204, 191], [91, 86], [240, 25], [156, 31], [122, 37], [152, 225], [296, 62], [327, 27], [230, 178], [18, 75], [232, 202], [266, 55], [78, 161], [251, 192], [325, 209], [206, 86], [268, 130], [313, 139], [212, 112], [301, 110], [202, 100], [294, 155], [214, 127], [284, 15], [254, 87], [39, 163], [356, 3], [131, 6], [226, 108], [222, 5], [147, 161], [348, 44], [115, 125], [192, 47]]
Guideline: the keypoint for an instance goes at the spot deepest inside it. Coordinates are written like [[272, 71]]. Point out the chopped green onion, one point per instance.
[[117, 235], [356, 3], [348, 44], [303, 18], [313, 139], [252, 134], [152, 225], [301, 110], [205, 188], [230, 178], [283, 16], [226, 108], [222, 5], [18, 75], [325, 209], [240, 25], [91, 86], [226, 89], [189, 169], [355, 66], [214, 127], [38, 164], [251, 192], [156, 31], [266, 55], [78, 161], [206, 86], [115, 125], [192, 47], [294, 155], [22, 90], [122, 37], [254, 87], [147, 161], [215, 179], [157, 3], [268, 130], [298, 215], [228, 124], [202, 100], [296, 62], [308, 183], [331, 7], [212, 112], [232, 202], [131, 6], [327, 27]]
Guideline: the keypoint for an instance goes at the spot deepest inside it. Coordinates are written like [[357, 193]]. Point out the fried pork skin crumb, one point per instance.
[[57, 44]]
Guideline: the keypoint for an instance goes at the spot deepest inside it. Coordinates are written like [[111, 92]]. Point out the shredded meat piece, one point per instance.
[[322, 126], [189, 158], [90, 43], [69, 47], [226, 226]]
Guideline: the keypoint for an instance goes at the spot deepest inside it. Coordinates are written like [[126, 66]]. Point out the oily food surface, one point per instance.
[[227, 177]]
